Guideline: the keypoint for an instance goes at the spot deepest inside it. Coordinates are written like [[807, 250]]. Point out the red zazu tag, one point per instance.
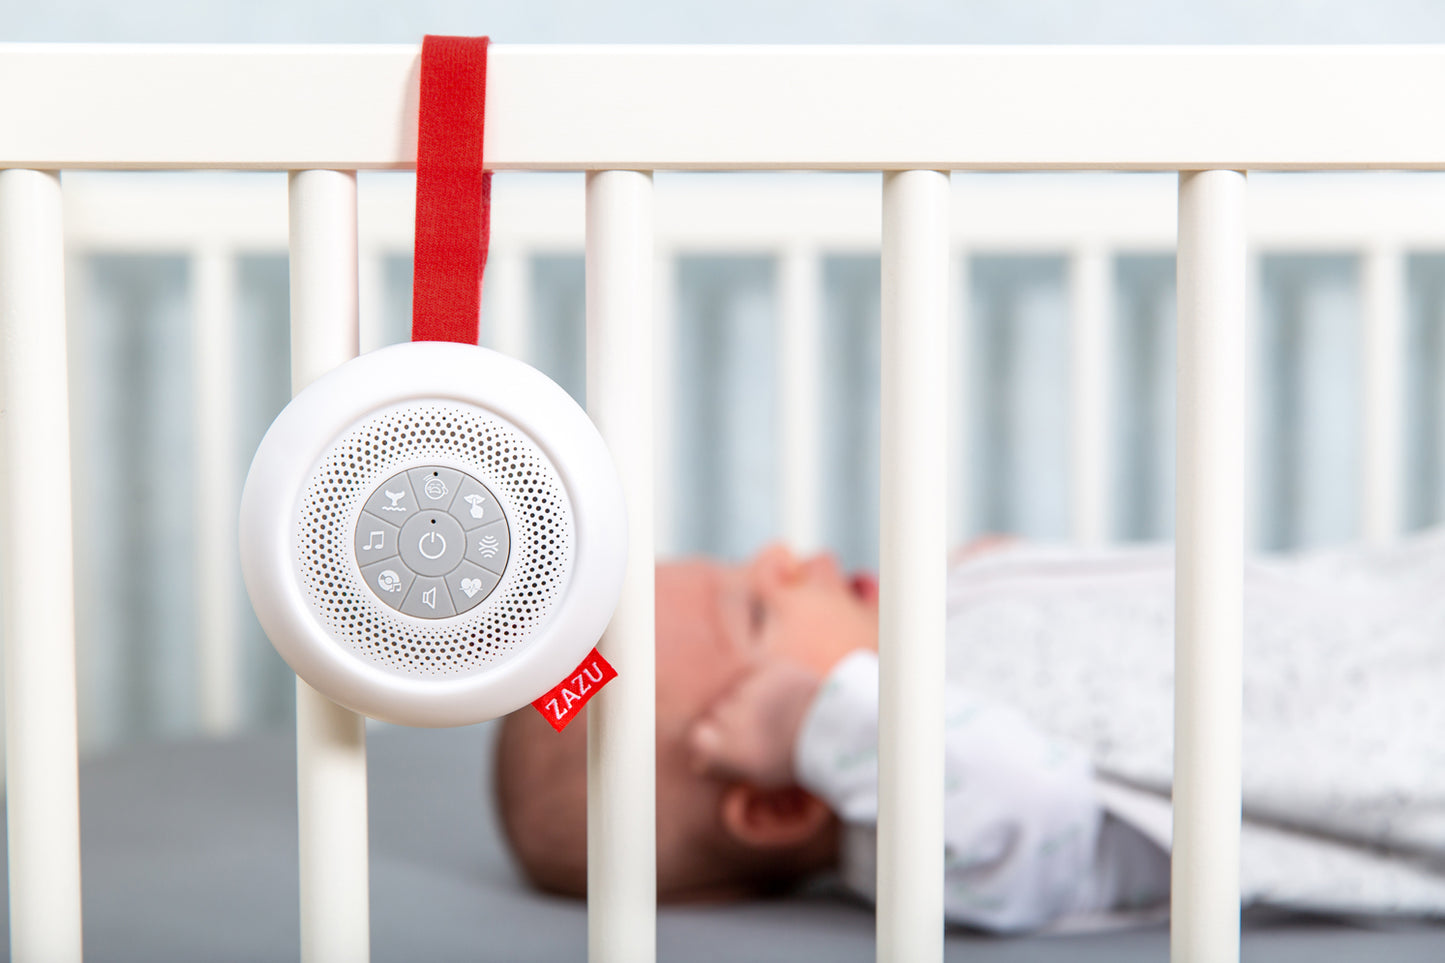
[[561, 705]]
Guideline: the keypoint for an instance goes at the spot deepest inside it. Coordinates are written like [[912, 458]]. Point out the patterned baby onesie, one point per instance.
[[1062, 657]]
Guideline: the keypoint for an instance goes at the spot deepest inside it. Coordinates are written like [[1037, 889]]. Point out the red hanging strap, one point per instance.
[[453, 225], [453, 193]]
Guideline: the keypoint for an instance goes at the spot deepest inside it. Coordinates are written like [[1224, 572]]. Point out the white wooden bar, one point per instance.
[[370, 298], [42, 791], [1382, 453], [962, 524], [1436, 396], [800, 387], [1090, 289], [97, 709], [1209, 567], [621, 818], [331, 797], [218, 495], [734, 107], [664, 387], [507, 297], [1253, 391], [912, 557]]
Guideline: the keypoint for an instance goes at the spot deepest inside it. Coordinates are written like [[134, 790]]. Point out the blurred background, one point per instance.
[[768, 310]]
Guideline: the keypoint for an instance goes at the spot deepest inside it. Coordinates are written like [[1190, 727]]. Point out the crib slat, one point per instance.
[[962, 523], [1089, 290], [621, 818], [1209, 566], [506, 298], [1382, 460], [43, 804], [1253, 487], [218, 609], [664, 403], [800, 292], [912, 550], [330, 741], [371, 298]]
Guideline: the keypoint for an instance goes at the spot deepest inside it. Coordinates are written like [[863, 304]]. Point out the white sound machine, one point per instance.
[[433, 534]]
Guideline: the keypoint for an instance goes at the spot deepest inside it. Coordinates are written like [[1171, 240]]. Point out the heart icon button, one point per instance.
[[471, 586]]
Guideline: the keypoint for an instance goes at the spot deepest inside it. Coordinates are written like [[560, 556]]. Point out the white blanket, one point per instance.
[[1344, 702]]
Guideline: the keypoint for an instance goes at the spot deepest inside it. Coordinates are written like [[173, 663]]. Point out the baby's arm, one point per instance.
[[1020, 817], [1021, 820]]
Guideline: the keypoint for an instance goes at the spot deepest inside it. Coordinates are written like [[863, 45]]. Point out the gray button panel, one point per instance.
[[432, 542]]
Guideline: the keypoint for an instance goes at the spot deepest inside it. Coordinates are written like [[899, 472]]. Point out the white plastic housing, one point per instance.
[[459, 406]]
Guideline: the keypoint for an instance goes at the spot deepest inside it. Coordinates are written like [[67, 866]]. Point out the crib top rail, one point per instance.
[[556, 107]]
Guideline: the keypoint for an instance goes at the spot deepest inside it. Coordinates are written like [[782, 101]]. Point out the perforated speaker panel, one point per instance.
[[481, 444]]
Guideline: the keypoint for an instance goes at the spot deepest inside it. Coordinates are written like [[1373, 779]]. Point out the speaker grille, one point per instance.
[[481, 444]]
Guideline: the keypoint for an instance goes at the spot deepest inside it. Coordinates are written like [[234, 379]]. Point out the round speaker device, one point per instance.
[[433, 534]]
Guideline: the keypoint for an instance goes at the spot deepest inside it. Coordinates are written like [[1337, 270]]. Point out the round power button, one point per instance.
[[432, 543]]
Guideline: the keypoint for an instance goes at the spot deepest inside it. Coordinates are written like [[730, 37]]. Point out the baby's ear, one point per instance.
[[772, 818]]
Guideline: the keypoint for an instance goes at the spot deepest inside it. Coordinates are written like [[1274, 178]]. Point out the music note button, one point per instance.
[[375, 539]]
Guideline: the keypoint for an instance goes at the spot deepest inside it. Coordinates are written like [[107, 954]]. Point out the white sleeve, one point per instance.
[[1021, 816]]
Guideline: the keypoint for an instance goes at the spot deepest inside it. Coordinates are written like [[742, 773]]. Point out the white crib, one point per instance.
[[621, 113]]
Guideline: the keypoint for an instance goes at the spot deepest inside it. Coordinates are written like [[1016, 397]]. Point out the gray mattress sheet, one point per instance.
[[189, 853]]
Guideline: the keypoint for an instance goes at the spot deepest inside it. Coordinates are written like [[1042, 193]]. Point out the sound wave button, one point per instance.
[[489, 546]]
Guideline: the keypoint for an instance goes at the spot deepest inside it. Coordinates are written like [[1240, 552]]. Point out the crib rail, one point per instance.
[[628, 110], [857, 108]]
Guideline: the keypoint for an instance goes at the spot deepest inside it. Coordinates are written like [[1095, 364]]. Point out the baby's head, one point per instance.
[[716, 838]]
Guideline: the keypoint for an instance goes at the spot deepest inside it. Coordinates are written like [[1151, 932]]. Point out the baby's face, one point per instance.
[[713, 620]]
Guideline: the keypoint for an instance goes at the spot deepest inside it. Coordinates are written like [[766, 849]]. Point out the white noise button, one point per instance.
[[489, 546]]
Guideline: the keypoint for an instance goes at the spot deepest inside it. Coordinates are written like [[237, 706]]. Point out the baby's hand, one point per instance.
[[748, 734]]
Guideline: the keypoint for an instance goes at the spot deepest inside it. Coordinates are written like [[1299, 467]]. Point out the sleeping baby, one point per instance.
[[1058, 741]]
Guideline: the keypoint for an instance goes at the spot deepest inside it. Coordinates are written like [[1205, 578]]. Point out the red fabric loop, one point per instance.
[[453, 193], [453, 226]]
